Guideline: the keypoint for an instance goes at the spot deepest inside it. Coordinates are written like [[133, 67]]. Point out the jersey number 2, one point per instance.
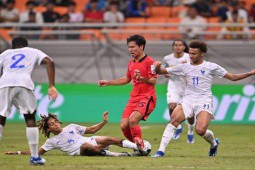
[[17, 58]]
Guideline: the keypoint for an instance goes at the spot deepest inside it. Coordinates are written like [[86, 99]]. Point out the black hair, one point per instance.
[[186, 50], [199, 45], [19, 42], [138, 39], [10, 2], [114, 3], [32, 14], [43, 123], [72, 3], [30, 3], [93, 1]]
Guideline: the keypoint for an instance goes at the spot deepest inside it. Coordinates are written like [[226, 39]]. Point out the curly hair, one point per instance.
[[186, 50], [199, 45], [43, 123]]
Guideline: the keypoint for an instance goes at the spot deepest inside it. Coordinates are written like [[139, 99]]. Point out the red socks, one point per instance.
[[127, 134], [136, 131]]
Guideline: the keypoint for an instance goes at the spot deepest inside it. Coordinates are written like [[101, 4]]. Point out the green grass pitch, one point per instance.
[[236, 150]]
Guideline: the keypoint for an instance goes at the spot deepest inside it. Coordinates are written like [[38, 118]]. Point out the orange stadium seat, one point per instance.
[[21, 5], [80, 4], [89, 37], [5, 34], [135, 20], [213, 20], [61, 10], [40, 9], [174, 11], [161, 11], [158, 36], [173, 36]]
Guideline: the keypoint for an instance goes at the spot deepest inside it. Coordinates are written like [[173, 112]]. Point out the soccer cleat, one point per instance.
[[190, 139], [37, 161], [177, 133], [139, 143], [158, 154], [213, 151]]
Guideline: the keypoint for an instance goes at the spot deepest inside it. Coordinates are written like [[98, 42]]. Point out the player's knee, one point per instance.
[[133, 122], [124, 126], [172, 106], [174, 122], [200, 131]]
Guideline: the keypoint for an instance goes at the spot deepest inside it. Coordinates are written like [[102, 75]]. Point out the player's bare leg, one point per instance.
[[105, 141], [176, 118], [203, 120], [33, 138], [124, 125], [179, 128], [2, 124], [136, 131], [171, 107]]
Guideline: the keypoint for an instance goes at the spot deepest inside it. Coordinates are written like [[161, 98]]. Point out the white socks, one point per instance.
[[1, 132], [209, 137], [128, 144], [190, 129], [166, 137], [179, 126], [109, 153], [33, 137]]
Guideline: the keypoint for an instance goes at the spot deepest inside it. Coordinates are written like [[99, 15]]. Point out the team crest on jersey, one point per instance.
[[203, 72]]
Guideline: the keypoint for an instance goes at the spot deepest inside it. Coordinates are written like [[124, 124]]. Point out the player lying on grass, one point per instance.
[[70, 139]]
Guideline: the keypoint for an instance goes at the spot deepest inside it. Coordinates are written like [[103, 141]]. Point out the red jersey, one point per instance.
[[141, 89]]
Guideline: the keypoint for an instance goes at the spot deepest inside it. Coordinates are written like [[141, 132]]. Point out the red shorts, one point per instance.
[[145, 106]]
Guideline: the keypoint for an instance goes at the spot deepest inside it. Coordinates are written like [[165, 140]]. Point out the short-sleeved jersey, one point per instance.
[[175, 82], [18, 65], [141, 89], [198, 78], [69, 140]]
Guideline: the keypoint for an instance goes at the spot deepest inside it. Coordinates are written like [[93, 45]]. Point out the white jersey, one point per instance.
[[198, 79], [176, 82], [18, 65], [69, 140]]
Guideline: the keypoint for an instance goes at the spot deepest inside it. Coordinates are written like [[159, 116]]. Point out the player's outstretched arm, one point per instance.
[[93, 129], [120, 81], [41, 151], [52, 92], [236, 77], [159, 69]]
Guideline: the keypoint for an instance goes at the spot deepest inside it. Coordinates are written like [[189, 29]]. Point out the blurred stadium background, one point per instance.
[[88, 43]]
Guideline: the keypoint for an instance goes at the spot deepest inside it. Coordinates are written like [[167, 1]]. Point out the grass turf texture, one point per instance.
[[236, 150]]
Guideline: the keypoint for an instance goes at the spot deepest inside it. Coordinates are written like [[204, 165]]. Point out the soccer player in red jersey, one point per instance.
[[143, 97]]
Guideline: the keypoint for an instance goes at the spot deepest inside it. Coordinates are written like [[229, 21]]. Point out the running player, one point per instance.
[[16, 88], [70, 139], [176, 84], [143, 97], [198, 98]]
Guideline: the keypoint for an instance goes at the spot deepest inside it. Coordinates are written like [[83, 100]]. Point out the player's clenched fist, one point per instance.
[[157, 65], [103, 83], [52, 93], [105, 116], [253, 72]]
